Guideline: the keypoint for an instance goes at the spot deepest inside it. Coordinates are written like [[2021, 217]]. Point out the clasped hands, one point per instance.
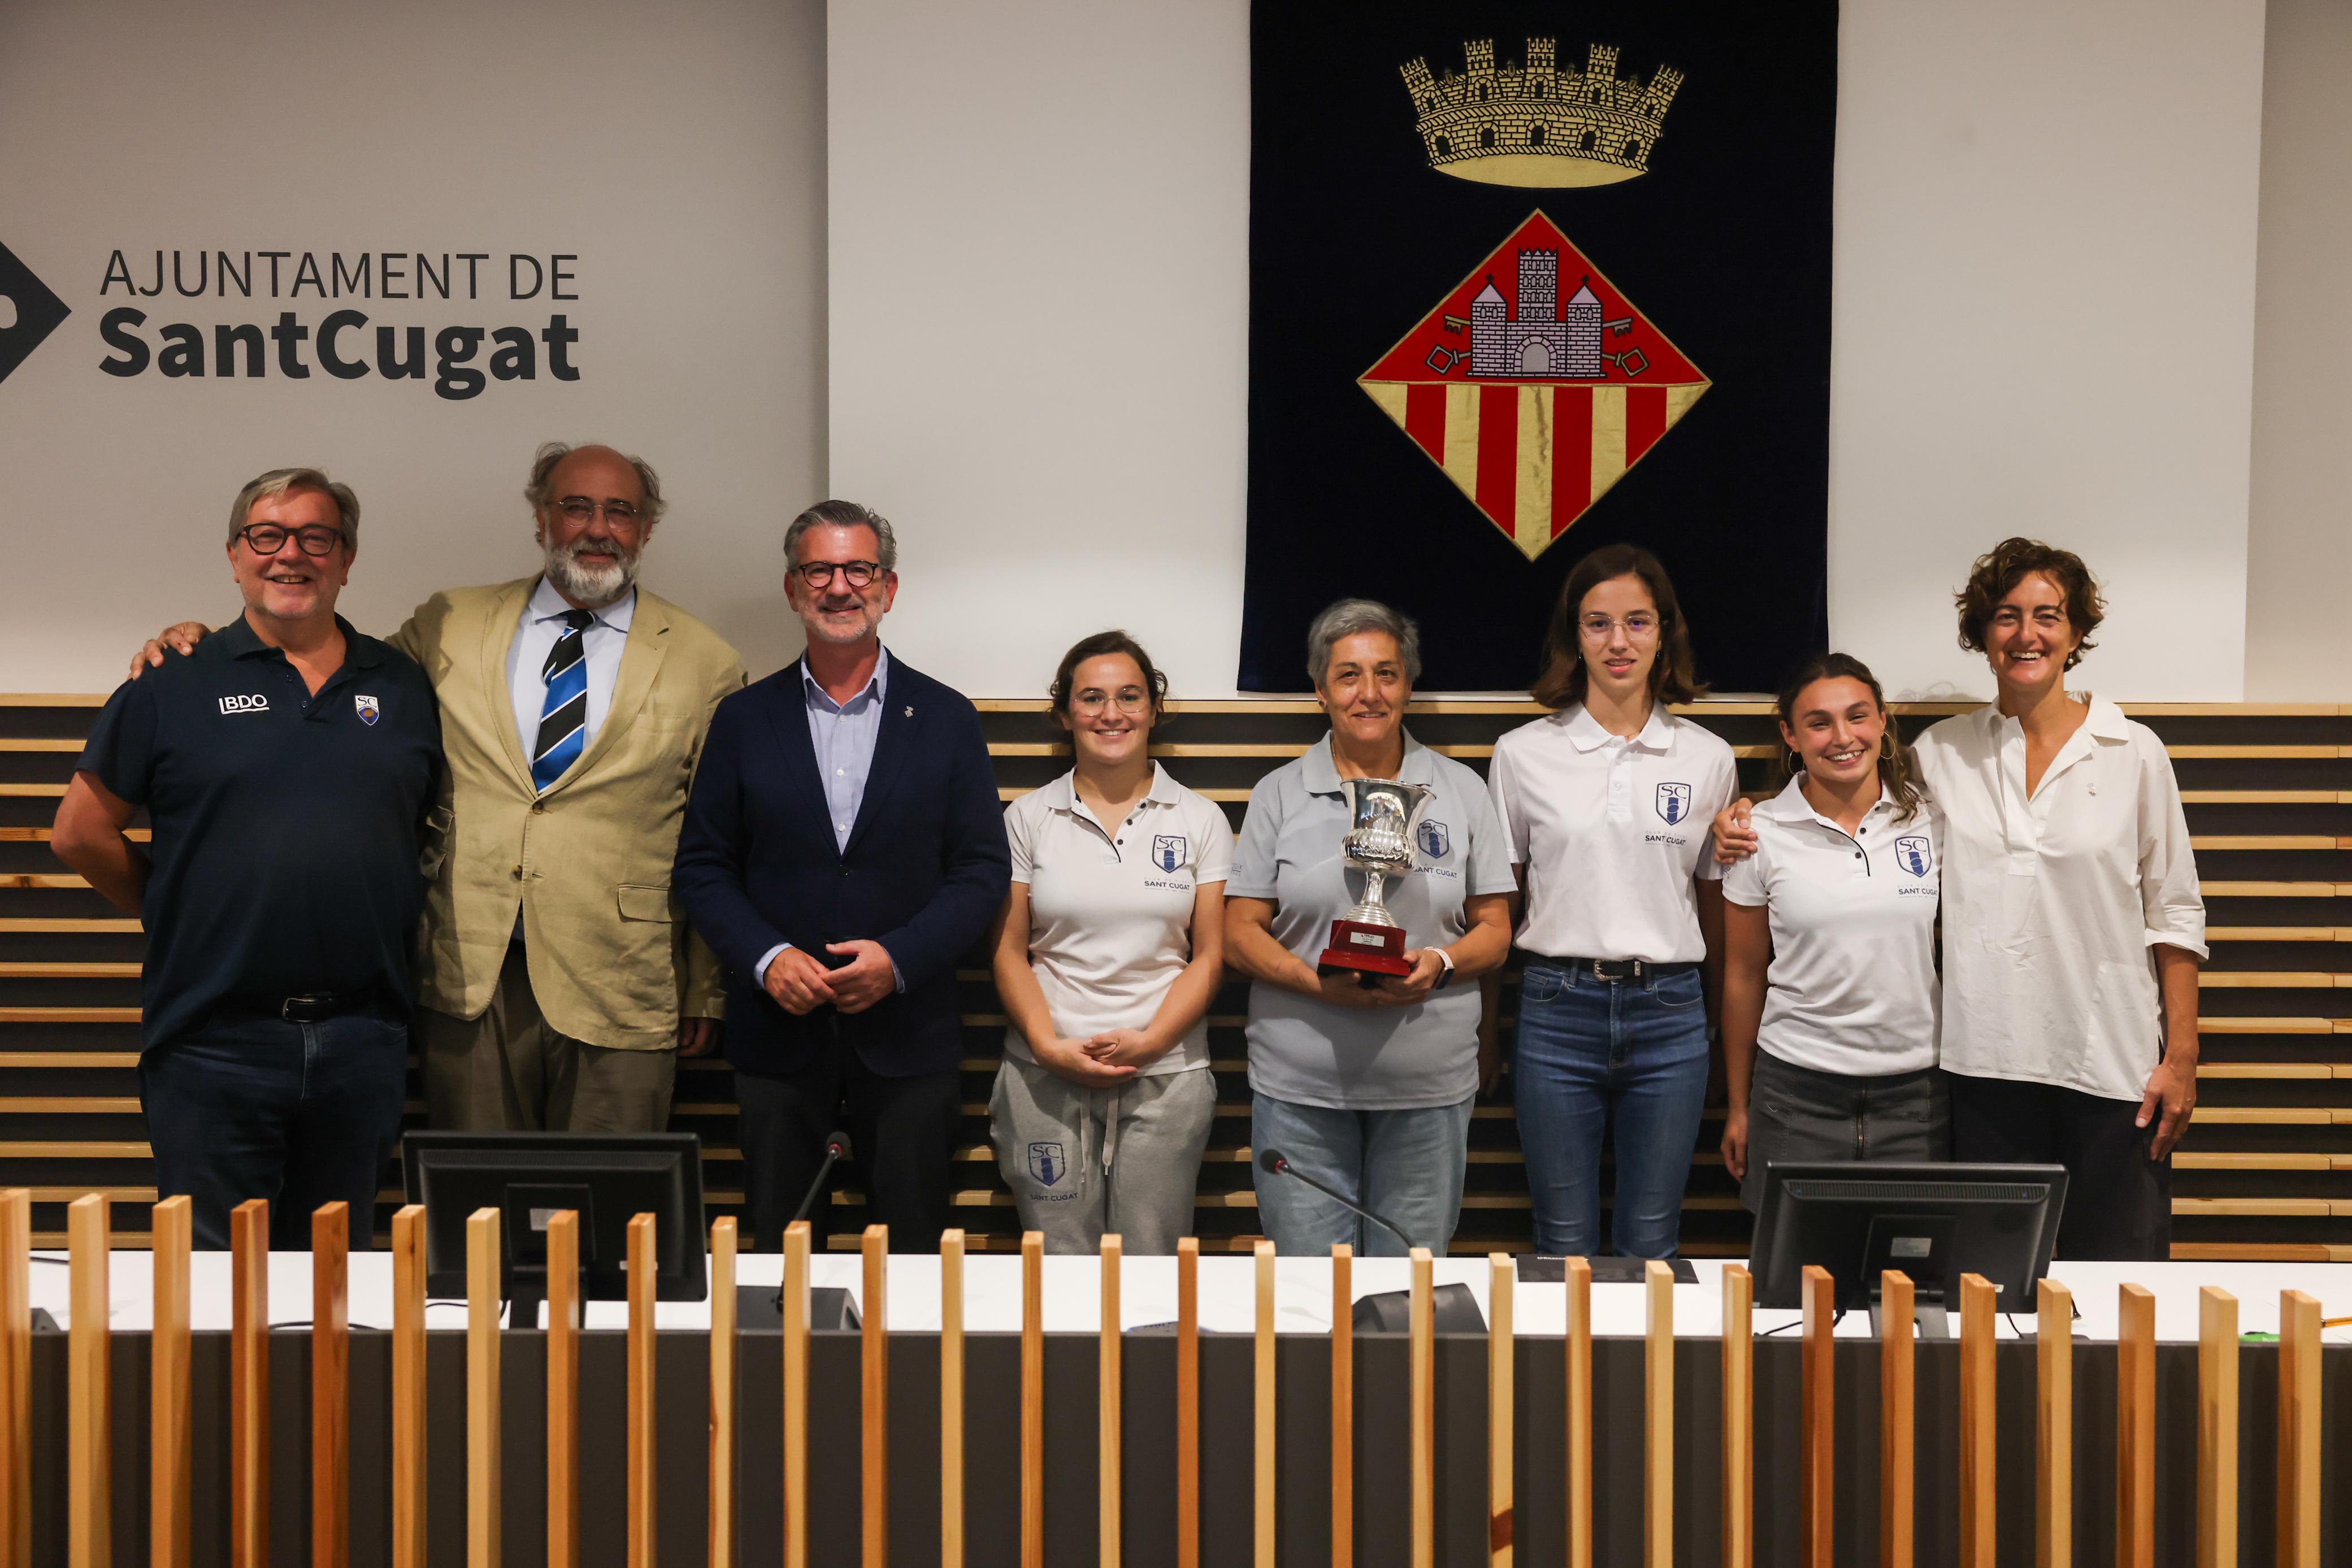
[[1346, 988], [801, 985]]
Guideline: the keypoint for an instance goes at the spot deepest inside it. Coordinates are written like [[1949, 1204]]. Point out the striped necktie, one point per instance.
[[563, 717]]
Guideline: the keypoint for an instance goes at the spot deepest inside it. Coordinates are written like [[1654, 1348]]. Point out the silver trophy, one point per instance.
[[1386, 813]]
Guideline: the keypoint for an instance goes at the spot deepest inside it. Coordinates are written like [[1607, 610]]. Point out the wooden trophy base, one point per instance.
[[1368, 949]]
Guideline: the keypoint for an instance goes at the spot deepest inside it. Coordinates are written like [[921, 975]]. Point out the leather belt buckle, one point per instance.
[[307, 1008]]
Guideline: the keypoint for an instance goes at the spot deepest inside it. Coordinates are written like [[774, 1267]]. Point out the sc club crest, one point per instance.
[[1046, 1164], [1673, 802], [1168, 850], [368, 709], [1434, 840], [1912, 855]]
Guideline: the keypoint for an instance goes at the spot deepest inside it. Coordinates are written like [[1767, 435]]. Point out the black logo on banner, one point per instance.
[[29, 312]]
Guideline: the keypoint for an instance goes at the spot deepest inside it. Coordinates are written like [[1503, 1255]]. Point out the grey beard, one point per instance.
[[593, 588]]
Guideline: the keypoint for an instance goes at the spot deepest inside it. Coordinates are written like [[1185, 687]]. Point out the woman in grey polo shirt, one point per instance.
[[1365, 1088]]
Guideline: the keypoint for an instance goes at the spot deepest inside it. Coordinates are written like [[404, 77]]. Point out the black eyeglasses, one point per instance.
[[856, 573], [268, 538]]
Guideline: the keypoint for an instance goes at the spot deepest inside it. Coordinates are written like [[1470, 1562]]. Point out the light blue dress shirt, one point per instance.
[[843, 736], [600, 646]]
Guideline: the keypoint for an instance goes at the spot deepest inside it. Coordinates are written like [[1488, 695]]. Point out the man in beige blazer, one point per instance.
[[557, 983]]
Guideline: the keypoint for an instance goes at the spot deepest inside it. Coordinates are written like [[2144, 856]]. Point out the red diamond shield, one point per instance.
[[1535, 385]]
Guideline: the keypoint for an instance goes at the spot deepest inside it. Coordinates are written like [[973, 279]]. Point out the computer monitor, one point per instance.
[[1932, 1221], [607, 1179]]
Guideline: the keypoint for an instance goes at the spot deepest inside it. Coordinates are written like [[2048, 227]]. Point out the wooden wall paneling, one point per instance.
[[723, 1378], [1658, 1419], [15, 1378], [1110, 1462], [1343, 1406], [1188, 1402], [484, 1522], [1501, 1411], [90, 1396], [796, 1394], [2053, 1426], [1422, 1373], [1977, 1460], [408, 1406], [331, 1386], [2298, 1430], [1032, 1399], [951, 1412], [1897, 1421], [169, 1415], [1817, 1420], [1739, 1418], [1578, 1374], [564, 1309], [1264, 1503], [248, 1425], [2135, 1429], [2217, 1428]]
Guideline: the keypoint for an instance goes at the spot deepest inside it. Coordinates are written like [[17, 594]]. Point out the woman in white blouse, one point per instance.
[[1829, 945], [1111, 945], [2072, 924]]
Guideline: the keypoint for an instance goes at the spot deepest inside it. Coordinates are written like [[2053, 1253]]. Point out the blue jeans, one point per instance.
[[1590, 1051], [1405, 1165], [300, 1113]]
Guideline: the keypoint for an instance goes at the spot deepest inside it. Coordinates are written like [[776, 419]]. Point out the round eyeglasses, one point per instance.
[[268, 538], [856, 573]]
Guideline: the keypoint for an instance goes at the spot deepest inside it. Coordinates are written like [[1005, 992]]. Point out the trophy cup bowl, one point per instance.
[[1383, 815]]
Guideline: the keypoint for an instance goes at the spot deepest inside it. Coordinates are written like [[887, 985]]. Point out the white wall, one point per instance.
[[2299, 560], [2042, 321], [678, 150], [1039, 226]]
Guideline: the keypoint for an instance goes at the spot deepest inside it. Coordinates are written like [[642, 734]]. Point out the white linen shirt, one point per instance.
[[1851, 988], [1110, 911], [1612, 832], [2052, 902], [600, 646]]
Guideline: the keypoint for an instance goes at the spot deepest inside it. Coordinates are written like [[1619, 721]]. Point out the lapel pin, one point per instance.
[[907, 713]]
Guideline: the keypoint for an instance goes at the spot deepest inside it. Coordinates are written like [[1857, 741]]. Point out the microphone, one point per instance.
[[836, 1149], [1279, 1164]]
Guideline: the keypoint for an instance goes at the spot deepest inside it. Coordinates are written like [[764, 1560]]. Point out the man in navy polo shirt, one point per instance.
[[286, 766]]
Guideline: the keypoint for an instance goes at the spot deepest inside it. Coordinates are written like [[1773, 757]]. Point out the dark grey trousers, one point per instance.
[[1799, 1114]]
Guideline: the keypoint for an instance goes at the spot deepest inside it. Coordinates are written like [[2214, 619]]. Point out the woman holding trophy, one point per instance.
[[1369, 892], [1107, 952], [1606, 805]]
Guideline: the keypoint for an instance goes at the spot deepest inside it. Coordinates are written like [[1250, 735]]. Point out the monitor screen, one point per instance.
[[607, 1179], [1932, 1221]]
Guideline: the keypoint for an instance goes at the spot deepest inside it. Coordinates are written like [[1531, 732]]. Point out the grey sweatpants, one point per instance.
[[1086, 1162]]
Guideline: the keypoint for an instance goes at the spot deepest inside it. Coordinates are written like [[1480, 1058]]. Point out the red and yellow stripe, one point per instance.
[[1534, 456]]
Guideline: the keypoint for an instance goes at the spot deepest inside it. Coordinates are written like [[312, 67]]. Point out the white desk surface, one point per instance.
[[1228, 1295]]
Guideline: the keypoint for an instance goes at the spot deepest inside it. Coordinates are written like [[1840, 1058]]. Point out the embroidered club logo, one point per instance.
[[1168, 850], [1911, 854], [368, 711], [1535, 385], [1046, 1164], [1673, 802], [1434, 840]]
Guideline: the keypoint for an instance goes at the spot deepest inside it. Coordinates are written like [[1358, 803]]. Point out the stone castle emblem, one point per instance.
[[1538, 339], [1536, 124]]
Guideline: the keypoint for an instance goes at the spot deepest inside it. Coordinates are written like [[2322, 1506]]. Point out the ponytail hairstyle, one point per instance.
[[1898, 772]]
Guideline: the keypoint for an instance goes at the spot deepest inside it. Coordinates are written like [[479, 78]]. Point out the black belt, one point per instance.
[[310, 1007], [1615, 969]]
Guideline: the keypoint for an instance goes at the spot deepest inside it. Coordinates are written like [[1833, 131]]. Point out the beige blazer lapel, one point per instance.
[[641, 662], [501, 626]]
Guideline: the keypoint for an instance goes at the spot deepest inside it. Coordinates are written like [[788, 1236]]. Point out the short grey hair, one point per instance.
[[1347, 619], [551, 453], [278, 481], [845, 515]]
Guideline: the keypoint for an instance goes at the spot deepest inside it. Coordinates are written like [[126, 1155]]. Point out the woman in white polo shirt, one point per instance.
[[1606, 805], [1107, 951], [1830, 1054], [2073, 924]]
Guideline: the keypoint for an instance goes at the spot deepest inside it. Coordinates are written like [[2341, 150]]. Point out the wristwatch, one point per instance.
[[1447, 978]]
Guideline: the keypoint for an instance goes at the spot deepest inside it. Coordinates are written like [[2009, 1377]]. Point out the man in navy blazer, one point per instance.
[[842, 847]]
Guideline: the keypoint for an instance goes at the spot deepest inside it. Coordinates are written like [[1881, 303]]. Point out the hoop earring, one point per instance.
[[1887, 750], [1796, 764]]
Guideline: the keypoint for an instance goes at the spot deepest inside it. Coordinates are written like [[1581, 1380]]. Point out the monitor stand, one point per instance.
[[523, 1303], [1932, 1321]]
